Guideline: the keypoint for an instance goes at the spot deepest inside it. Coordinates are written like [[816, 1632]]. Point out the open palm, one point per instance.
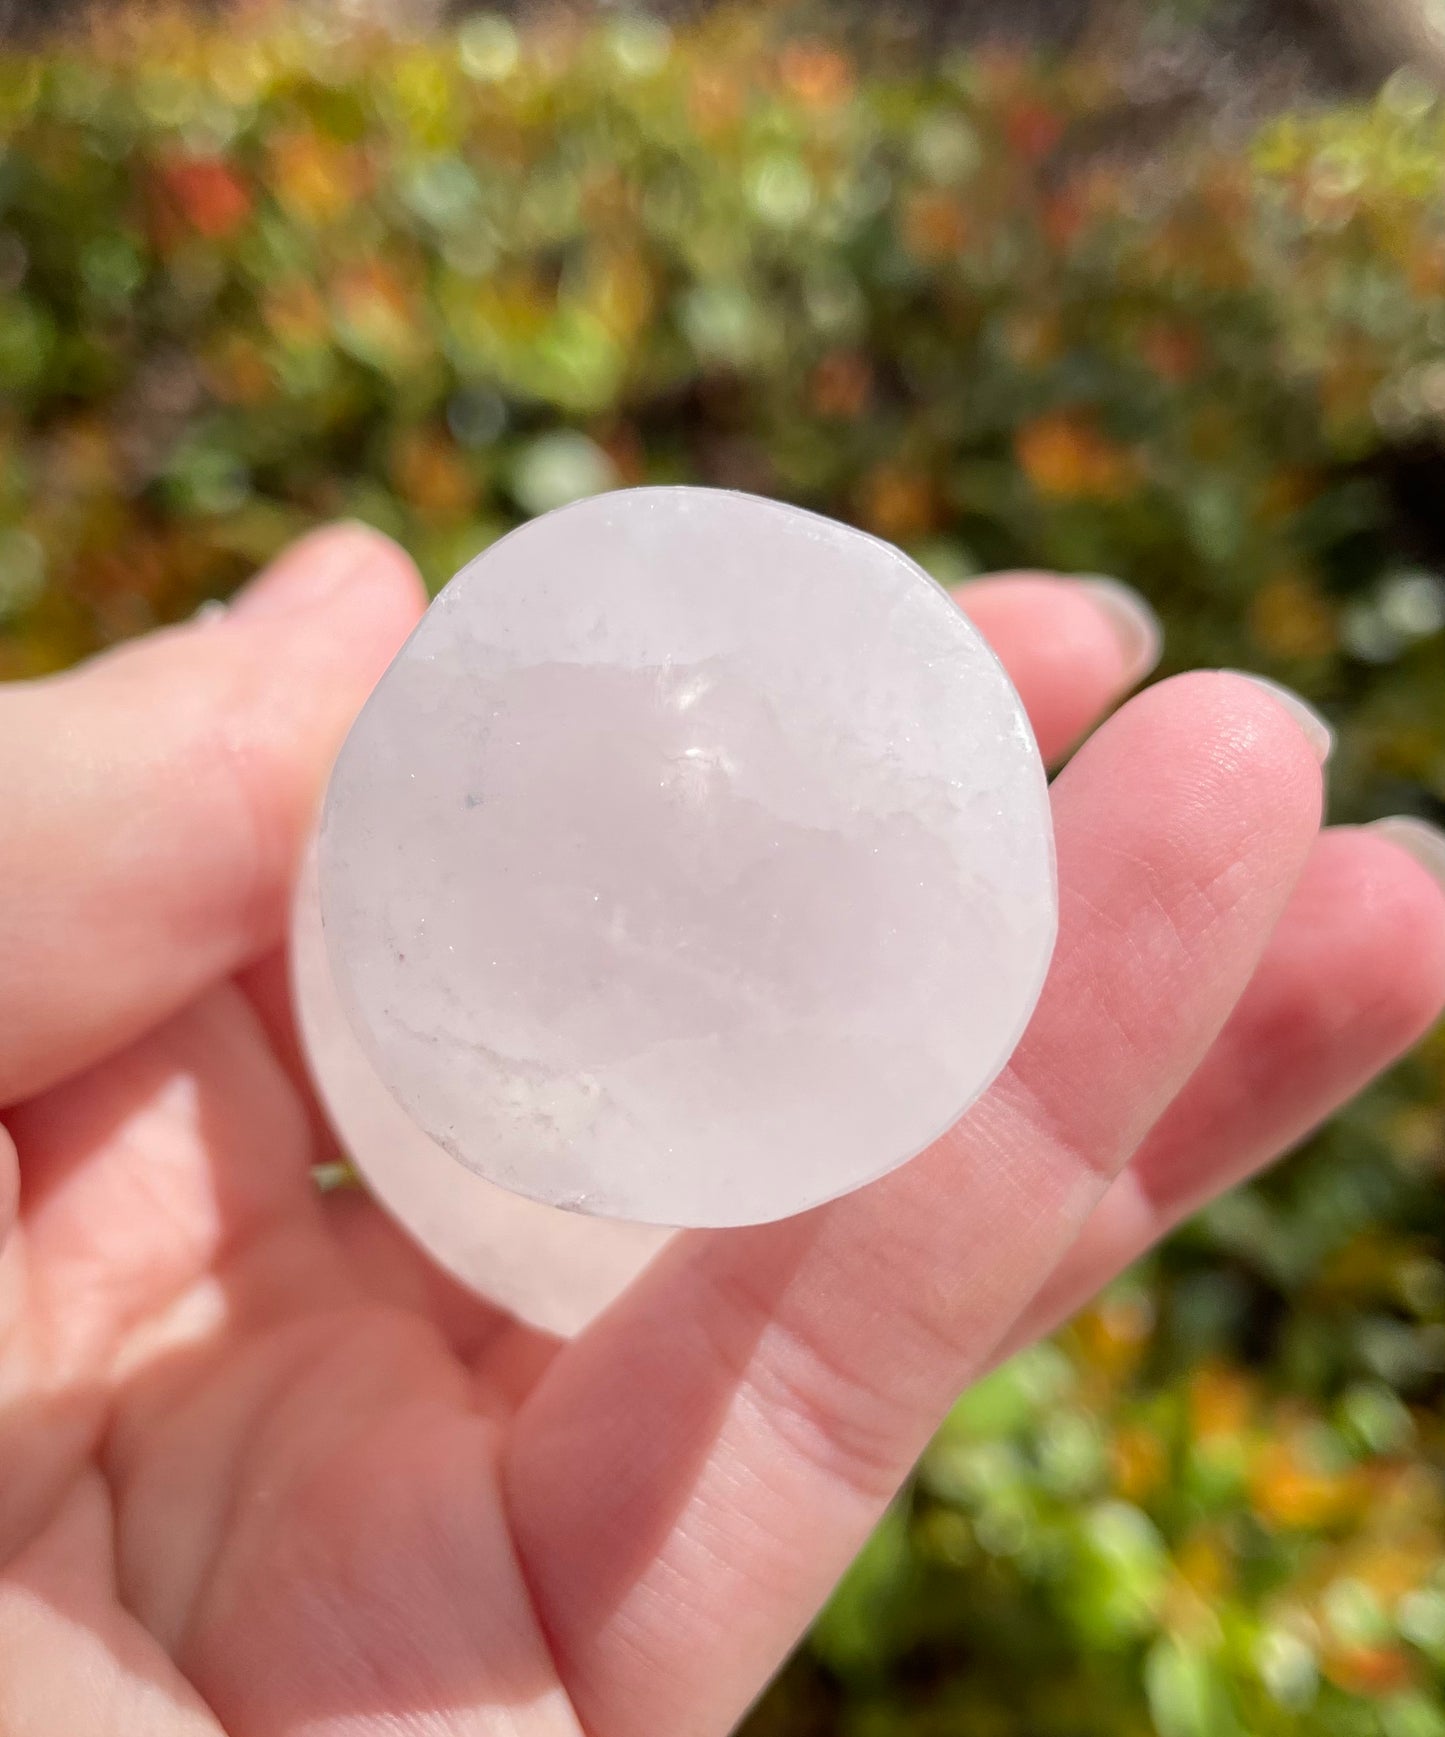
[[263, 1470]]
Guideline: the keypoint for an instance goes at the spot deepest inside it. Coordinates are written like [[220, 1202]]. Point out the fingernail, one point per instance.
[[1318, 733], [310, 573], [1422, 841], [1134, 622], [209, 612]]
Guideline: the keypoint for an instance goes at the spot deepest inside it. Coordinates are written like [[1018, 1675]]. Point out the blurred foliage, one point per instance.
[[253, 280]]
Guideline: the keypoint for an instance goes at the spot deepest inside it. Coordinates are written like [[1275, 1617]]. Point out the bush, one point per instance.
[[251, 281]]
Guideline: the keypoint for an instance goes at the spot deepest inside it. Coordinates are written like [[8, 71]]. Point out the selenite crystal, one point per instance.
[[555, 1270], [691, 864]]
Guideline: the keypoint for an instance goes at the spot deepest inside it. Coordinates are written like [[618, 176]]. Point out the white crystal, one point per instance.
[[691, 864], [552, 1269]]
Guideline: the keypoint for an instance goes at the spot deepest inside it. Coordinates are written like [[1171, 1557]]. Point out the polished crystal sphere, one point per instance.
[[690, 865]]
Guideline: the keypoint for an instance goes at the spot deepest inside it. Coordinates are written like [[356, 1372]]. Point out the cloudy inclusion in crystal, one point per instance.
[[691, 863], [554, 1270]]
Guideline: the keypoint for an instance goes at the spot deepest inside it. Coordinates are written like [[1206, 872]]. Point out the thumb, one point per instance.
[[156, 800]]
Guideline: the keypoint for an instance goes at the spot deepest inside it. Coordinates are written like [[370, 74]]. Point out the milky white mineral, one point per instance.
[[690, 865], [555, 1270]]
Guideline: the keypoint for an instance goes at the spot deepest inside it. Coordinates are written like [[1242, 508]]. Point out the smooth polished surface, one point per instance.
[[691, 864], [552, 1269]]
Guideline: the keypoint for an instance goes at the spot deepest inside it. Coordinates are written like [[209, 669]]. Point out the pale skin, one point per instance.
[[263, 1471]]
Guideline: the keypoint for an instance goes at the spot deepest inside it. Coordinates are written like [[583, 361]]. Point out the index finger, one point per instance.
[[156, 800]]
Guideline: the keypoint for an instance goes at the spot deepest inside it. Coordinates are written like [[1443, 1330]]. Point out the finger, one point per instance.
[[1353, 977], [156, 799], [71, 1658], [151, 1171], [165, 1200], [691, 1476], [1072, 647]]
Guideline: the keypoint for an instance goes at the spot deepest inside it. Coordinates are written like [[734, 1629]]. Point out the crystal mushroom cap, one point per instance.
[[554, 1270], [691, 864]]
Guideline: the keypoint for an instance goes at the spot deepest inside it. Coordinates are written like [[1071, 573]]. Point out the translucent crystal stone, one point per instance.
[[690, 865], [552, 1269]]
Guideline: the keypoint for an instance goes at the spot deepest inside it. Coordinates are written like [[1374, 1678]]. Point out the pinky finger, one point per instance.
[[1353, 976]]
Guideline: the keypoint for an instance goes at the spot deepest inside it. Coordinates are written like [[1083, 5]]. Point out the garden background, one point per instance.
[[265, 274]]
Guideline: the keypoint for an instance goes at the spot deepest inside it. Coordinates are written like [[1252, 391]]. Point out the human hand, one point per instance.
[[263, 1470]]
